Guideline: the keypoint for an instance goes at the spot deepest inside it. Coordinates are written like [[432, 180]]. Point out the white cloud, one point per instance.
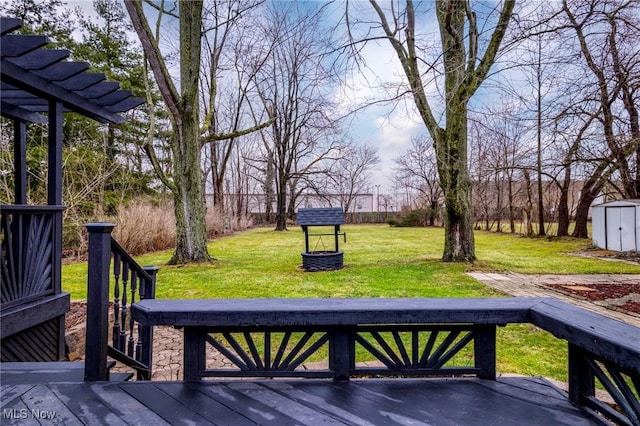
[[389, 126]]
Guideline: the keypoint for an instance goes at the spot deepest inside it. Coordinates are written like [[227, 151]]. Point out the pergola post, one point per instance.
[[20, 161], [54, 175]]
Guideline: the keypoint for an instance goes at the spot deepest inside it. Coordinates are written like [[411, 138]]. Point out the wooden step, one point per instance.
[[50, 372]]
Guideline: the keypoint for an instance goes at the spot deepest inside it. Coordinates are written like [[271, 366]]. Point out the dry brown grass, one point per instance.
[[143, 227], [218, 224]]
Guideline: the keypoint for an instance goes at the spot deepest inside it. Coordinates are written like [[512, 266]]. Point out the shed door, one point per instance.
[[621, 230]]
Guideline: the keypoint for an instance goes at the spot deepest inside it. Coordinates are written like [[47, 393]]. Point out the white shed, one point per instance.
[[616, 225]]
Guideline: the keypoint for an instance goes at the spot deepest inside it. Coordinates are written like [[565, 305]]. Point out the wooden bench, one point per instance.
[[449, 324], [409, 337]]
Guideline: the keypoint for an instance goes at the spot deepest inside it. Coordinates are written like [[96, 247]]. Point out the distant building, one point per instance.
[[255, 203]]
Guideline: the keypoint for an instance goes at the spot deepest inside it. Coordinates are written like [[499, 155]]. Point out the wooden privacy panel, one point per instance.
[[38, 343], [26, 255], [33, 305]]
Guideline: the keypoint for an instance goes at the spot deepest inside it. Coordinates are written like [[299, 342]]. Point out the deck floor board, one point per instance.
[[161, 403], [435, 401], [43, 399], [256, 411], [126, 407], [207, 406], [88, 406]]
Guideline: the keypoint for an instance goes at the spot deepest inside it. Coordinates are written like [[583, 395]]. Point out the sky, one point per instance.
[[389, 128]]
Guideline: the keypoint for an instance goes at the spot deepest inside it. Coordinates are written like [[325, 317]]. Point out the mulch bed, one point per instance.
[[78, 314], [600, 292], [629, 307], [628, 256], [596, 291]]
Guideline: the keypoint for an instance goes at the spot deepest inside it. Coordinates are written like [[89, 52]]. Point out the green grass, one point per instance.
[[380, 261]]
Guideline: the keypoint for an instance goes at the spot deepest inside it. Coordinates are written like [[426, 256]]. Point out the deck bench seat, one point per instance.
[[307, 311], [341, 323], [409, 336]]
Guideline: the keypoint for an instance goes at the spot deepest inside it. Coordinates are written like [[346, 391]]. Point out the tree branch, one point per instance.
[[154, 56], [480, 73]]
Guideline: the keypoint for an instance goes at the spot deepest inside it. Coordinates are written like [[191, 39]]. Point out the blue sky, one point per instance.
[[389, 128]]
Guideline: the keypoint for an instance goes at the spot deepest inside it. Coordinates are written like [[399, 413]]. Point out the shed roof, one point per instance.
[[31, 76], [620, 203], [320, 216]]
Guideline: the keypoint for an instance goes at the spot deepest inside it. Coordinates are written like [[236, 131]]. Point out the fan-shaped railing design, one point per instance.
[[399, 350], [27, 243]]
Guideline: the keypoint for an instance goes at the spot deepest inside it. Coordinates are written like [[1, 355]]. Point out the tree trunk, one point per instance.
[[291, 208], [582, 216], [499, 183], [589, 193], [526, 212], [281, 205], [218, 196], [191, 234], [433, 211], [563, 205], [512, 215], [189, 206], [458, 213], [268, 187], [563, 215]]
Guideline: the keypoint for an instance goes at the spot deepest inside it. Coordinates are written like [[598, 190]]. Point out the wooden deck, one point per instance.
[[33, 398]]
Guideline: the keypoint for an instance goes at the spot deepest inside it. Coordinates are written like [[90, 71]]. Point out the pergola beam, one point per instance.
[[43, 88]]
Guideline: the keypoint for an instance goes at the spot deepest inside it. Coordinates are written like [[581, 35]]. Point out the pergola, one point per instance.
[[38, 85]]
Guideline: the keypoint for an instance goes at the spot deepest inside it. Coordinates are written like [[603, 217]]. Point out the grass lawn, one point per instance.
[[380, 261]]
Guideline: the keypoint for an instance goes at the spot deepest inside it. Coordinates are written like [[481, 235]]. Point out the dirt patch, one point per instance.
[[77, 315], [624, 256]]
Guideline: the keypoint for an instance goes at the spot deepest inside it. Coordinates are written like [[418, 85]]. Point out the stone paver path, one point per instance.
[[520, 285]]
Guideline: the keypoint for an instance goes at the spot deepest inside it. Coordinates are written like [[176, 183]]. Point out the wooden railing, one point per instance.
[[114, 276], [409, 337], [600, 350]]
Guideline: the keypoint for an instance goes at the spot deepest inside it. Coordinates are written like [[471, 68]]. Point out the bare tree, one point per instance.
[[233, 57], [350, 174], [608, 34], [183, 105], [297, 85], [417, 169], [464, 67]]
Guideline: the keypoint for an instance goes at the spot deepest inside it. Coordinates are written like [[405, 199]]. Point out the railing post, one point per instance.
[[146, 331], [485, 351], [149, 292], [95, 364], [194, 357], [581, 377], [341, 353]]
